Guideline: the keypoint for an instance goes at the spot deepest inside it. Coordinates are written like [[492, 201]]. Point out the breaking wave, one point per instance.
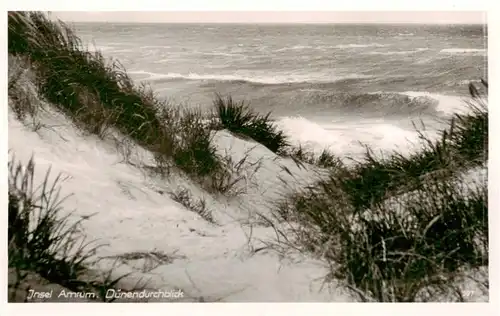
[[380, 103], [446, 104], [221, 54], [323, 47], [272, 80], [361, 45], [406, 52], [463, 51], [296, 47], [346, 138]]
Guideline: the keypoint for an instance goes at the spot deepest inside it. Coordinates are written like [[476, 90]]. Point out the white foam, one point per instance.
[[154, 46], [304, 131], [360, 45], [124, 50], [446, 103], [398, 52], [296, 47], [347, 138], [463, 51], [221, 54], [465, 82]]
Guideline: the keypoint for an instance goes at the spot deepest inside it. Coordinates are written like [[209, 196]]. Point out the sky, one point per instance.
[[440, 17]]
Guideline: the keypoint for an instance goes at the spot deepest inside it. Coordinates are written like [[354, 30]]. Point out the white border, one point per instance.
[[255, 5], [285, 308], [3, 163], [233, 309]]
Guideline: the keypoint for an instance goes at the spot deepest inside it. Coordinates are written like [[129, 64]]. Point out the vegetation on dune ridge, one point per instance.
[[299, 154], [239, 119], [401, 228], [98, 95]]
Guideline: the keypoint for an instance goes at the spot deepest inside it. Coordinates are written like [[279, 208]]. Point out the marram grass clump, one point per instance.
[[44, 239], [238, 118]]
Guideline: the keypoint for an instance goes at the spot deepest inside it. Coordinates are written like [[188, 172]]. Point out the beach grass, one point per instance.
[[41, 238], [397, 228], [240, 119]]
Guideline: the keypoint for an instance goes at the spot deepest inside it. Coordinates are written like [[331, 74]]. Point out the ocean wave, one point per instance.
[[155, 46], [304, 130], [337, 138], [464, 82], [406, 52], [463, 51], [271, 80], [359, 45], [346, 138], [446, 104], [296, 47], [323, 47], [422, 100], [375, 103], [124, 50], [221, 54]]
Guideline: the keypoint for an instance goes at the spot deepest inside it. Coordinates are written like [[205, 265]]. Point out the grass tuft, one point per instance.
[[45, 241], [239, 119], [184, 197], [40, 239], [300, 155]]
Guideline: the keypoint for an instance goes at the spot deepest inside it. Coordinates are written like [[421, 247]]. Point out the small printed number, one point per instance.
[[467, 293]]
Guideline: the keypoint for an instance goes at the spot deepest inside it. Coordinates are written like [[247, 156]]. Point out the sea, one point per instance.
[[328, 86]]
